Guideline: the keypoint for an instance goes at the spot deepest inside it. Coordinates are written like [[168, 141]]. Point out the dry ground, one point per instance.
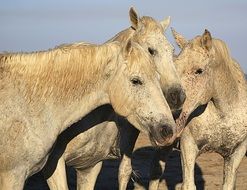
[[208, 172]]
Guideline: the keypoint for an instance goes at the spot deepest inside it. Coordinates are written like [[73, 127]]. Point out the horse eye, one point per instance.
[[136, 81], [152, 51], [199, 71]]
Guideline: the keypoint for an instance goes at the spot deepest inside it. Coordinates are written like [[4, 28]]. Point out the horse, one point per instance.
[[86, 155], [43, 93], [214, 111]]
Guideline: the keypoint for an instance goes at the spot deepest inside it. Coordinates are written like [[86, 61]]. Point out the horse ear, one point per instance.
[[128, 48], [134, 19], [206, 40], [180, 40], [165, 23]]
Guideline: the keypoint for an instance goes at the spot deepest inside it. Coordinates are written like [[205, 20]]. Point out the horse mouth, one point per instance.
[[186, 116], [161, 142], [181, 123]]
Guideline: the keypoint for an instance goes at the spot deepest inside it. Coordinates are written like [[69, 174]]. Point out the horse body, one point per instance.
[[112, 137], [26, 122], [149, 34], [227, 133], [92, 153], [85, 159], [41, 93]]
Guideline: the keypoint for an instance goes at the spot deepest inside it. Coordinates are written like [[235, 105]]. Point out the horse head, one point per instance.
[[135, 93], [195, 65]]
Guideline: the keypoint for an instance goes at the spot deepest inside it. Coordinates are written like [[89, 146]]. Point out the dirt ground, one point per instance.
[[208, 172]]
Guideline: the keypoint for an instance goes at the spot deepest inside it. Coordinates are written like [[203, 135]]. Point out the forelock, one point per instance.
[[141, 61], [151, 24]]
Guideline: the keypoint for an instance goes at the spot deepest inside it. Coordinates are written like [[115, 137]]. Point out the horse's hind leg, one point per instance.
[[12, 180], [189, 153], [86, 178], [231, 165], [158, 166]]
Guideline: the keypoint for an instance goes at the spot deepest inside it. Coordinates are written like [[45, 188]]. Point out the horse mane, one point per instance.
[[73, 45], [149, 23], [122, 36], [223, 54], [65, 68]]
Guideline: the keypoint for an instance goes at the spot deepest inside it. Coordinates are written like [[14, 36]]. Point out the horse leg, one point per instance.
[[86, 178], [58, 180], [125, 167], [124, 173], [189, 152], [231, 165], [12, 180], [158, 166]]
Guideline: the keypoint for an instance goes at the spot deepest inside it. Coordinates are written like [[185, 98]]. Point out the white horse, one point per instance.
[[44, 93], [211, 77], [86, 155]]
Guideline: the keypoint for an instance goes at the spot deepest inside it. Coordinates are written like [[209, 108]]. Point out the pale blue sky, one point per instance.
[[29, 25]]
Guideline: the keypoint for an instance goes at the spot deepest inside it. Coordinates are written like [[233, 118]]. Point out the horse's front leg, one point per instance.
[[86, 178], [12, 180], [124, 173], [189, 152], [125, 167], [58, 180], [231, 165], [158, 166]]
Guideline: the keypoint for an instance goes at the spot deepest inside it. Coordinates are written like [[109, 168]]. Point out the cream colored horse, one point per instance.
[[86, 156], [223, 125], [212, 78], [43, 93]]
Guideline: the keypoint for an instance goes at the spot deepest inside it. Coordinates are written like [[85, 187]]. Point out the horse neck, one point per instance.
[[78, 109], [72, 89], [229, 85]]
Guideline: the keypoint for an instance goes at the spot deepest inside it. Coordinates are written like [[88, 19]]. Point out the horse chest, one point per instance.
[[19, 139], [222, 137]]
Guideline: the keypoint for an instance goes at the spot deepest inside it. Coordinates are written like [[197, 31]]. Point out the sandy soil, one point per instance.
[[209, 172]]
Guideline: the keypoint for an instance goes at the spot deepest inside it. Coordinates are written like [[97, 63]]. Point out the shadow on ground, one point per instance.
[[107, 179]]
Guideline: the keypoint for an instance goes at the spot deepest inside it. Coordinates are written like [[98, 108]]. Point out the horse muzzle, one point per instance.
[[162, 135]]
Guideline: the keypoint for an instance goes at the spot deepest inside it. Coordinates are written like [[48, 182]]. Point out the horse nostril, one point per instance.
[[166, 131], [176, 97]]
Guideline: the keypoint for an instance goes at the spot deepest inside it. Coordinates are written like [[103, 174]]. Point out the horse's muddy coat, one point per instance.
[[211, 77]]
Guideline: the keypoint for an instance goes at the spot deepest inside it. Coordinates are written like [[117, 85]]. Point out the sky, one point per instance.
[[28, 25]]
